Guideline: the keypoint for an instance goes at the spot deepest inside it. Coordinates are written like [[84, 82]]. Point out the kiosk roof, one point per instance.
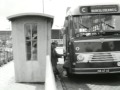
[[29, 14]]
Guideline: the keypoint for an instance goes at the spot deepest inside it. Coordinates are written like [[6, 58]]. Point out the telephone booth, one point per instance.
[[31, 34]]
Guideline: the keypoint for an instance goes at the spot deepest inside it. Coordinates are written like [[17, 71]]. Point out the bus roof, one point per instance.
[[93, 9]]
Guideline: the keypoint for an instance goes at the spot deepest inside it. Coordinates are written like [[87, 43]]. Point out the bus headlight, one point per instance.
[[80, 57], [118, 63]]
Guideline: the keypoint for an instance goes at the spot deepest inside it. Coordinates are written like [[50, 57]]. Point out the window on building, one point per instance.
[[31, 40]]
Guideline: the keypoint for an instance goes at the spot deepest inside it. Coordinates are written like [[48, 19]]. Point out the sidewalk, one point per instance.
[[7, 80]]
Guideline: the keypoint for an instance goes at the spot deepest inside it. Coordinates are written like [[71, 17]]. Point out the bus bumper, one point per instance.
[[95, 70]]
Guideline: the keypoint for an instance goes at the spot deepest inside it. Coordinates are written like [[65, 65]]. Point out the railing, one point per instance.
[[50, 83], [5, 57]]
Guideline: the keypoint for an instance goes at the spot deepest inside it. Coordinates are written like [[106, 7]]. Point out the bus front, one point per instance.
[[93, 44]]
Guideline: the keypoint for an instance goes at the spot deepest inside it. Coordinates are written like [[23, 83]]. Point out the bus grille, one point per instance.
[[102, 57]]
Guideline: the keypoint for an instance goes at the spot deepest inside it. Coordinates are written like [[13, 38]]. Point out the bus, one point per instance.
[[92, 39]]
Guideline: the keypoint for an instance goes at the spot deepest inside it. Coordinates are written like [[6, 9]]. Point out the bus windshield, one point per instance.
[[90, 25]]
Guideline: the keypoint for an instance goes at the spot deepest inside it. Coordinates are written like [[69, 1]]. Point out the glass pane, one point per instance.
[[28, 31], [28, 47], [96, 25], [34, 31], [31, 41], [34, 50]]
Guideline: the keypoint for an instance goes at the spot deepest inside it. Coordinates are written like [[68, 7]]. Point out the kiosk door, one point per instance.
[[30, 48]]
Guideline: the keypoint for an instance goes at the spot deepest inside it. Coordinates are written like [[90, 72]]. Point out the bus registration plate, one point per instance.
[[103, 70]]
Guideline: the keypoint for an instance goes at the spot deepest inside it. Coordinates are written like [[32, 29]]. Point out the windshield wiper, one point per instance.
[[84, 26], [109, 25]]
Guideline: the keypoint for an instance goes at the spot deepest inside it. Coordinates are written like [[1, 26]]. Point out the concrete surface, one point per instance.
[[7, 80]]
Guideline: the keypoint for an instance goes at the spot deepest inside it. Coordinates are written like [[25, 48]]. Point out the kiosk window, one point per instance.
[[31, 40]]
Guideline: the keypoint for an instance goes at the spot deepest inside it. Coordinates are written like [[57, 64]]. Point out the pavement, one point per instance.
[[7, 80]]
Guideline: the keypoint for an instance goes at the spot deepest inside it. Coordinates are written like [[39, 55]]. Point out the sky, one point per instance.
[[57, 8]]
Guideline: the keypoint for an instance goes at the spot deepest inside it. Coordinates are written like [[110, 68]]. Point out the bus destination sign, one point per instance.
[[99, 9]]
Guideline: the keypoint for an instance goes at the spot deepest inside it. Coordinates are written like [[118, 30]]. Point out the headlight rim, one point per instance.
[[80, 57], [118, 63]]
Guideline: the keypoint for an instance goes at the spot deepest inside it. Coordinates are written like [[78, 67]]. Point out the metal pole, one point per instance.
[[43, 5]]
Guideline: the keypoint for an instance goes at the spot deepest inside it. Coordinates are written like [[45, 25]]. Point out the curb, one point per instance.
[[59, 85]]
